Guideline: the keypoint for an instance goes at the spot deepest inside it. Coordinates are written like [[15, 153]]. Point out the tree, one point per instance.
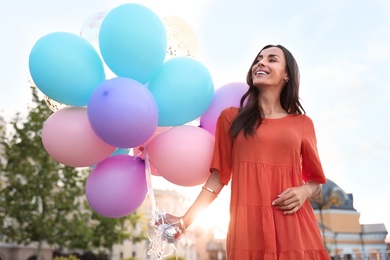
[[42, 200]]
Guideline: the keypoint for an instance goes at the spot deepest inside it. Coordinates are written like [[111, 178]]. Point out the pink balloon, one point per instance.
[[139, 150], [226, 96], [182, 154], [117, 186], [69, 139]]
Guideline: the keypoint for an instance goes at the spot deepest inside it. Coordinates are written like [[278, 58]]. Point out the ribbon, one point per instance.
[[163, 234]]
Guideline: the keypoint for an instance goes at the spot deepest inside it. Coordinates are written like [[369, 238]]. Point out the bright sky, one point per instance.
[[342, 48]]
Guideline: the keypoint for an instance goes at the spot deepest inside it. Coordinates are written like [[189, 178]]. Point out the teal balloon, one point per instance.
[[66, 68], [133, 42], [119, 151], [183, 89]]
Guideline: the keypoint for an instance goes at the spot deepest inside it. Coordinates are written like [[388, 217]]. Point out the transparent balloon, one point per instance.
[[90, 31], [91, 26]]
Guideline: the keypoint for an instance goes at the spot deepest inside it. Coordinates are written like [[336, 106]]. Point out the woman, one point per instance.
[[267, 149]]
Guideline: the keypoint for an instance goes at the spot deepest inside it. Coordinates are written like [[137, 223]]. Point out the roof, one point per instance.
[[374, 228], [332, 190]]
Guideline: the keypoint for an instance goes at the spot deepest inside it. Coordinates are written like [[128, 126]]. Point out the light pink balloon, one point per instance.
[[228, 95], [182, 154], [139, 150], [69, 139], [117, 186]]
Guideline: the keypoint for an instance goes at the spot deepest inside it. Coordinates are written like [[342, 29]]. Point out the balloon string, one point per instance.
[[149, 182], [164, 234]]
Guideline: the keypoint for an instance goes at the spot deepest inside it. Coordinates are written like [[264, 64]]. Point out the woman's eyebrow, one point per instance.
[[269, 56]]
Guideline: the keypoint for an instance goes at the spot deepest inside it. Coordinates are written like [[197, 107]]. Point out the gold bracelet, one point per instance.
[[310, 191], [182, 224], [210, 190]]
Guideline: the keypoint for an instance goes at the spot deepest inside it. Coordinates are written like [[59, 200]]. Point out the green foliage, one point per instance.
[[72, 257], [114, 230], [38, 194], [42, 200]]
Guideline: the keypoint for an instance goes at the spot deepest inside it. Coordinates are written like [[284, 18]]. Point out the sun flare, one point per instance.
[[215, 217]]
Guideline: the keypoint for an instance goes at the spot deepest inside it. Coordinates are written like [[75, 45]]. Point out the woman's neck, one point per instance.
[[270, 104]]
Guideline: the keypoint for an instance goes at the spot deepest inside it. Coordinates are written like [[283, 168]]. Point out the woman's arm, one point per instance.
[[209, 192]]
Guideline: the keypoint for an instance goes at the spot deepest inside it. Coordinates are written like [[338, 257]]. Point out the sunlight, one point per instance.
[[216, 216]]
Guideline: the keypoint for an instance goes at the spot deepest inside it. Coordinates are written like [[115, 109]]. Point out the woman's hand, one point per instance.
[[172, 220], [172, 227], [292, 199]]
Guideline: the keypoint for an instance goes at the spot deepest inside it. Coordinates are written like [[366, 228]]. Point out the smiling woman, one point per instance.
[[266, 149]]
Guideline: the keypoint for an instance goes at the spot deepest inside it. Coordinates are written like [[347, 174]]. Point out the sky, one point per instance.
[[342, 48]]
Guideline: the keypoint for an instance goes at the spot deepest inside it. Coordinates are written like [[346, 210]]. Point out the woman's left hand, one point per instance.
[[292, 199]]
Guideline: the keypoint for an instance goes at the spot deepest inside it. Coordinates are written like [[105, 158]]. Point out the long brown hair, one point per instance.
[[251, 115]]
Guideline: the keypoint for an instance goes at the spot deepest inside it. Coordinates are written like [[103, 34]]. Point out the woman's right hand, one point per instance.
[[174, 220], [172, 227]]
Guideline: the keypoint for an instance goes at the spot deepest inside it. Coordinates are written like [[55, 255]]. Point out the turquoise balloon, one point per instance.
[[133, 42], [66, 68], [119, 151], [183, 89]]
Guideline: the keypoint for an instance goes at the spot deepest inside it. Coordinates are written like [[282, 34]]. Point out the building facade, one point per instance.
[[343, 235]]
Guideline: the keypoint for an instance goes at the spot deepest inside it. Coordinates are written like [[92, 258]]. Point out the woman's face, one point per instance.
[[270, 69]]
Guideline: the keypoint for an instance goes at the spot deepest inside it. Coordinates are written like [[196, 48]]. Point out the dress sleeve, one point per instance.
[[221, 160], [311, 164]]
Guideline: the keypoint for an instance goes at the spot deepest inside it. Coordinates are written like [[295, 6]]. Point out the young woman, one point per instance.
[[267, 149]]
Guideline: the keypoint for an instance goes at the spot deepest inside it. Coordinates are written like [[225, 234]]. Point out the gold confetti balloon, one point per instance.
[[181, 38], [54, 105]]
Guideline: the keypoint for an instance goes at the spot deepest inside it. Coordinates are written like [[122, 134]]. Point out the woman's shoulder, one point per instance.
[[229, 112], [304, 120], [303, 117]]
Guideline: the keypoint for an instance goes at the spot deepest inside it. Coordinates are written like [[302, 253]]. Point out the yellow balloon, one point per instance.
[[181, 37]]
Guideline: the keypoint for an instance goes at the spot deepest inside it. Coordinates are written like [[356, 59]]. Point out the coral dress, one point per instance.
[[283, 154]]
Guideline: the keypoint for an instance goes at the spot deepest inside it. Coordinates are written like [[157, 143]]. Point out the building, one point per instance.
[[9, 251], [343, 235]]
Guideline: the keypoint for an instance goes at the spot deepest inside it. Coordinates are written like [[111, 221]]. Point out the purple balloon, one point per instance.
[[123, 112], [228, 95], [117, 186]]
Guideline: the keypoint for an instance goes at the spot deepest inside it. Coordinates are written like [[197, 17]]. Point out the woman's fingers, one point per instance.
[[167, 219], [290, 200]]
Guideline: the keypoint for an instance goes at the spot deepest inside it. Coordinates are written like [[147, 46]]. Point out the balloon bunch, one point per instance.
[[150, 102]]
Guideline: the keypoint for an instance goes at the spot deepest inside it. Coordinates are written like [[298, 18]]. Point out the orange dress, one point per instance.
[[282, 154]]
